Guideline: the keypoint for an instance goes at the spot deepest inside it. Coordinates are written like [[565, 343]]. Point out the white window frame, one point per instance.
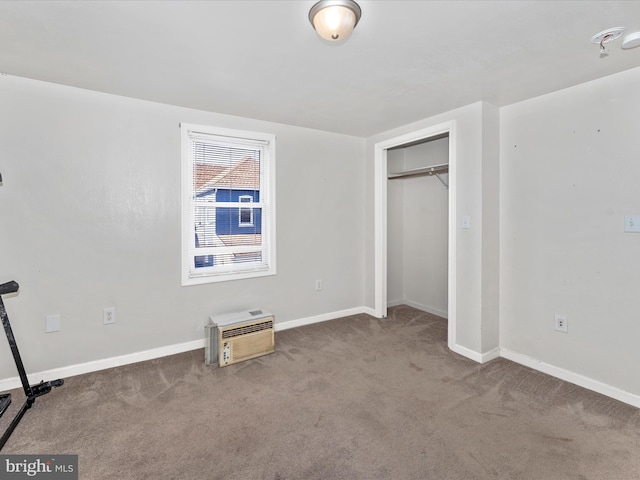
[[191, 133], [245, 199]]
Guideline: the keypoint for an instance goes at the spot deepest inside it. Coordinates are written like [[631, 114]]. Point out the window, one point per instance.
[[222, 237], [246, 214]]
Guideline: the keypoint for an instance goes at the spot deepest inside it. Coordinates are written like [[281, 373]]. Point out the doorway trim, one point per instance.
[[380, 224]]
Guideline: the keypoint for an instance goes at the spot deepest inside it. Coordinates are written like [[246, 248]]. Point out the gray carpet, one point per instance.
[[354, 398]]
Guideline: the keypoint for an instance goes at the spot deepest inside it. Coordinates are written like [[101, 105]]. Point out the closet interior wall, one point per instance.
[[417, 229]]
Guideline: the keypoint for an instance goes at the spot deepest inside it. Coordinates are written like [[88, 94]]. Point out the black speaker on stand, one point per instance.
[[30, 391]]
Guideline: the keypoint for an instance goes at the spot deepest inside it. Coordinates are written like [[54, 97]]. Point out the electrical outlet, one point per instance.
[[632, 223], [318, 284], [109, 316], [562, 324]]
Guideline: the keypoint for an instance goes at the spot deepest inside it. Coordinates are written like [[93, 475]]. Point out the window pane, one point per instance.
[[246, 214]]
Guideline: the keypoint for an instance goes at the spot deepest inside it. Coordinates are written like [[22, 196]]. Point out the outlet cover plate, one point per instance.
[[52, 324], [561, 323], [632, 223], [109, 315]]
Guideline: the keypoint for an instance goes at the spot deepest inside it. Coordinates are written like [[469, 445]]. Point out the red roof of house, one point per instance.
[[243, 175]]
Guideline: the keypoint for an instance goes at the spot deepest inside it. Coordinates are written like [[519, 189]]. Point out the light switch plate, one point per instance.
[[52, 324]]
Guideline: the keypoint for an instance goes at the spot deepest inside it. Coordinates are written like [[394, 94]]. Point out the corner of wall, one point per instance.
[[490, 227]]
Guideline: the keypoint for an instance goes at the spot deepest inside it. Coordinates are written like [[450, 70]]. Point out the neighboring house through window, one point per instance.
[[222, 171], [246, 213]]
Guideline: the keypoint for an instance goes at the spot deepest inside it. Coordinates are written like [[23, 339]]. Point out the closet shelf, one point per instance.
[[432, 170]]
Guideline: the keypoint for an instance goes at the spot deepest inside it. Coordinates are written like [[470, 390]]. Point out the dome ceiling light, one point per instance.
[[334, 20]]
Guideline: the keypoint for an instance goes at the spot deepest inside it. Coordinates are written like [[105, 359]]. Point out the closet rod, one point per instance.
[[432, 170]]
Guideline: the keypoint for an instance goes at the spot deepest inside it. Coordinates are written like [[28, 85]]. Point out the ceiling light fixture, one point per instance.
[[334, 20], [606, 36]]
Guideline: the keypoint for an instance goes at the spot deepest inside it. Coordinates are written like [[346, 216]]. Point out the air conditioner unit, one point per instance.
[[234, 337]]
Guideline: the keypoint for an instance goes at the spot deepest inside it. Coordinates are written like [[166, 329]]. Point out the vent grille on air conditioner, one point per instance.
[[243, 330]]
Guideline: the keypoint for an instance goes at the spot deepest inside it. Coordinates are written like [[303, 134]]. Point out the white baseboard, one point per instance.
[[321, 318], [419, 306], [369, 311], [572, 377], [428, 309], [561, 373], [96, 365], [466, 352], [490, 355], [476, 356]]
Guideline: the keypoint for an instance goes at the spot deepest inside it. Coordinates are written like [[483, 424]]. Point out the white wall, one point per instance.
[[490, 288], [569, 173], [418, 230], [90, 209]]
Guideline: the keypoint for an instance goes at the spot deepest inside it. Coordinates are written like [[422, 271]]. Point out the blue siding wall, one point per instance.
[[228, 219]]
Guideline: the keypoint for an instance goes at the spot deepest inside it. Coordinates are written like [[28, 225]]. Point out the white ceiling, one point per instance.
[[406, 60]]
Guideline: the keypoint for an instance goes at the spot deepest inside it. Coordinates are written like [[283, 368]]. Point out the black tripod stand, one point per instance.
[[31, 391]]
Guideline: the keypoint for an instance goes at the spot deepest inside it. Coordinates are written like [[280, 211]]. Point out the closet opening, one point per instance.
[[417, 225], [415, 186]]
